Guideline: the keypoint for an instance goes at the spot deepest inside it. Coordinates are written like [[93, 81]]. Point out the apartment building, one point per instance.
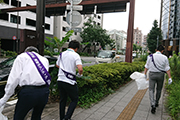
[[55, 26], [13, 22], [137, 38], [120, 38], [171, 25]]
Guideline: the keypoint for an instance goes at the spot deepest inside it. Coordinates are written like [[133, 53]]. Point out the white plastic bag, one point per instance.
[[2, 117], [140, 79]]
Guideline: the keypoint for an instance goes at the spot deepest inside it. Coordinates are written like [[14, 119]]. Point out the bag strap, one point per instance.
[[67, 74], [155, 64], [41, 69]]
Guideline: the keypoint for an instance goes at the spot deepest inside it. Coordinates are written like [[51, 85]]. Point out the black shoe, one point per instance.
[[153, 109], [156, 105]]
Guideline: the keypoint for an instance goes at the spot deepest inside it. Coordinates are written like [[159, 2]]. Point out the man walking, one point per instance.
[[158, 65], [33, 82], [67, 63]]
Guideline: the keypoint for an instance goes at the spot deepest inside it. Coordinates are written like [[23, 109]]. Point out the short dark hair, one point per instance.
[[160, 47], [74, 44]]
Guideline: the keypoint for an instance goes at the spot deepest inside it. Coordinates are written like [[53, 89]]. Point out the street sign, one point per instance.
[[76, 18], [74, 7], [75, 2], [77, 29], [14, 37]]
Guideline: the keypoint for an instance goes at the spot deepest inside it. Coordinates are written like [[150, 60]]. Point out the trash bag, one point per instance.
[[140, 79], [2, 117]]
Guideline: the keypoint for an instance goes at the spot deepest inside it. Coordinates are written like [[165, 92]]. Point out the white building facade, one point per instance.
[[120, 38], [10, 25]]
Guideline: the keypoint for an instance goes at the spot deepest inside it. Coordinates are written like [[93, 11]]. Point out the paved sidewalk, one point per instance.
[[109, 108]]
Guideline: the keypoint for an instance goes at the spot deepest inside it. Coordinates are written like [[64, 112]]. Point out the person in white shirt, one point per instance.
[[67, 63], [158, 65], [34, 91]]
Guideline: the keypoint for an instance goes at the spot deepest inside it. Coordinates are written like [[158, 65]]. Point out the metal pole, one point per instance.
[[40, 25], [71, 17], [17, 30]]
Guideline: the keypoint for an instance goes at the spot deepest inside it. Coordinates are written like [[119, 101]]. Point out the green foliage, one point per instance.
[[112, 44], [142, 57], [52, 43], [100, 80], [47, 52], [174, 62], [94, 33], [1, 1], [173, 100], [155, 33], [9, 53]]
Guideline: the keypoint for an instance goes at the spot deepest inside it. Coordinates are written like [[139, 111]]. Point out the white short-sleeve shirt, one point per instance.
[[68, 62], [161, 61]]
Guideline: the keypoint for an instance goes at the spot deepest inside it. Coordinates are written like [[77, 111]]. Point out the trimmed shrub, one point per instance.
[[99, 80]]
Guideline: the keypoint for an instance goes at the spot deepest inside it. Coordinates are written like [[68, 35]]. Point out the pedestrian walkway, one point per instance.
[[127, 103]]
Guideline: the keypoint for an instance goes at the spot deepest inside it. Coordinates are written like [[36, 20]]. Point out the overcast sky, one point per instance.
[[146, 11]]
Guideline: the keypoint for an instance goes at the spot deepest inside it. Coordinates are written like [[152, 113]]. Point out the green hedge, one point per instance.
[[173, 99], [99, 81]]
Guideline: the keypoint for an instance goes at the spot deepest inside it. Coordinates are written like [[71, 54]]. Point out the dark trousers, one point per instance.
[[34, 98], [155, 79], [66, 90]]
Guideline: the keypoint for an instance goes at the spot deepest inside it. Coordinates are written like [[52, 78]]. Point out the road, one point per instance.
[[88, 61]]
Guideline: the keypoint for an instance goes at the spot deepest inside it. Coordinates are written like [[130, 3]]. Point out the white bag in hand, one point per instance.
[[140, 79], [2, 117]]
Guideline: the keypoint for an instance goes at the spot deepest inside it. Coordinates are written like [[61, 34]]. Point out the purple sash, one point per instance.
[[42, 70], [67, 74]]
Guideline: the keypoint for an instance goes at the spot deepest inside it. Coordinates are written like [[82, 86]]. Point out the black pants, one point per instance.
[[34, 98], [66, 90]]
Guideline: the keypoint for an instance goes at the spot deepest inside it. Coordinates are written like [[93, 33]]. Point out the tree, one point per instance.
[[94, 33], [1, 1], [56, 43], [154, 37]]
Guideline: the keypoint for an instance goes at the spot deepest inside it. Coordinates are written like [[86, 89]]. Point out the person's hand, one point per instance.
[[78, 75], [145, 76], [169, 81]]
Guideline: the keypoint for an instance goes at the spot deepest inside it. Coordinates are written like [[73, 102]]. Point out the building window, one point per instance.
[[99, 17], [15, 3], [30, 22], [64, 18], [47, 26], [4, 16], [14, 19], [75, 33], [64, 29], [99, 24]]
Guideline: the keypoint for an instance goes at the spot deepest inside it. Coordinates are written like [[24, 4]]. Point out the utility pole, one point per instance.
[[129, 45], [40, 25]]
